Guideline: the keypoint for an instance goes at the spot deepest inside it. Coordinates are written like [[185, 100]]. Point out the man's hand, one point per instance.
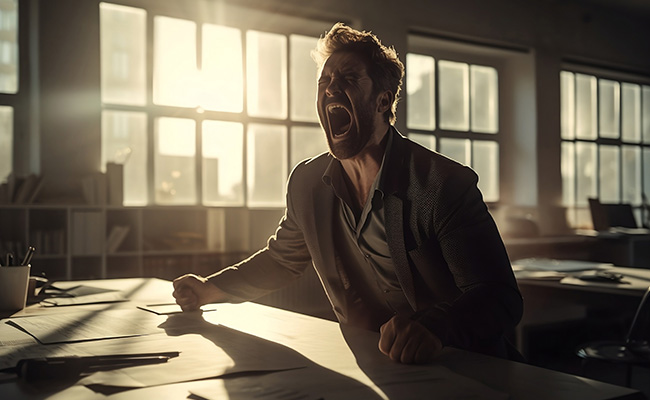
[[408, 341], [192, 291]]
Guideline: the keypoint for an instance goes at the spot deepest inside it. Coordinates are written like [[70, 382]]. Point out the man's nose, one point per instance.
[[333, 87]]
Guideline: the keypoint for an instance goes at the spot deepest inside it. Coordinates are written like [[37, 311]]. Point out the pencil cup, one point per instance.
[[13, 287]]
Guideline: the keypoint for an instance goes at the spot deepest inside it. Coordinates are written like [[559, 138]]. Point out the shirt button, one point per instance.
[[367, 255], [386, 290]]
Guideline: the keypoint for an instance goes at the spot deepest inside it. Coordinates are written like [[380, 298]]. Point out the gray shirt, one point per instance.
[[373, 292]]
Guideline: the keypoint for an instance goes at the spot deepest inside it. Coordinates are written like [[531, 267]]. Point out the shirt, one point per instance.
[[364, 263]]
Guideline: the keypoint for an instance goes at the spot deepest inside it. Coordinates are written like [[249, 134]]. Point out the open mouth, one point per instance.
[[339, 118]]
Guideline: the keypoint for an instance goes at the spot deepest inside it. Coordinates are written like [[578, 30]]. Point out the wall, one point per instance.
[[551, 30]]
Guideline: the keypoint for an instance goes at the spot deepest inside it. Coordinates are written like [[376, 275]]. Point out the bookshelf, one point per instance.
[[104, 241]]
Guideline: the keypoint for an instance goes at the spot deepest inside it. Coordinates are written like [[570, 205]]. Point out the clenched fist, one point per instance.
[[408, 341]]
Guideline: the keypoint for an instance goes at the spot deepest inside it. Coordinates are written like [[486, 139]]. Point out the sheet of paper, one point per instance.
[[88, 325], [206, 351], [547, 264], [106, 297], [414, 383], [169, 308]]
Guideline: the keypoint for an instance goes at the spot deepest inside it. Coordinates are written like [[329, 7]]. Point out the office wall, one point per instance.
[[551, 30]]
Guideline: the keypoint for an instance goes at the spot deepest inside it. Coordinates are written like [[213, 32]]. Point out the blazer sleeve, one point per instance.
[[488, 301], [280, 262]]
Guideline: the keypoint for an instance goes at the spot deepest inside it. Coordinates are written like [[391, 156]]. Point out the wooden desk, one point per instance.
[[338, 363]]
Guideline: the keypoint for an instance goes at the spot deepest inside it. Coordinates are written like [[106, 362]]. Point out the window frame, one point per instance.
[[578, 214], [219, 13]]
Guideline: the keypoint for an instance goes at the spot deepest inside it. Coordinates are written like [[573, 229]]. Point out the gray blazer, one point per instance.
[[448, 255]]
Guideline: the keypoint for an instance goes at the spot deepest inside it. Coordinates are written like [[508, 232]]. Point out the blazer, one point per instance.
[[448, 255]]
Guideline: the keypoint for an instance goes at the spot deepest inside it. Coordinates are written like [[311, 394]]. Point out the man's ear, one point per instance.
[[385, 101]]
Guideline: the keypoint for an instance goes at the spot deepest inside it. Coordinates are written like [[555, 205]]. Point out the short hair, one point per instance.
[[384, 66]]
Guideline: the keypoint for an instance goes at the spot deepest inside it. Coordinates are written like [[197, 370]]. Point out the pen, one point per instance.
[[10, 259], [72, 366], [28, 255]]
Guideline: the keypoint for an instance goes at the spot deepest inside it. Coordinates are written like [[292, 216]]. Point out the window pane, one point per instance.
[[585, 172], [303, 79], [631, 112], [567, 105], [454, 95], [306, 142], [631, 184], [609, 174], [568, 167], [223, 163], [123, 50], [585, 107], [420, 86], [646, 174], [174, 162], [266, 73], [608, 108], [8, 46], [428, 141], [124, 141], [458, 149], [485, 99], [175, 76], [222, 70], [267, 169], [646, 114], [485, 161], [6, 141]]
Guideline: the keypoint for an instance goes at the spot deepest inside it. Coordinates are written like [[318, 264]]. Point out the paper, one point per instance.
[[88, 325], [107, 297], [414, 383], [547, 264], [206, 351], [169, 309]]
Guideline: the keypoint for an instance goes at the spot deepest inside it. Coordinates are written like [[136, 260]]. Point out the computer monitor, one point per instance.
[[605, 216]]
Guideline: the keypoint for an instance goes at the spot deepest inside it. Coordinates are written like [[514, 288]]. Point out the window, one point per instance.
[[605, 131], [453, 107], [215, 114], [8, 83]]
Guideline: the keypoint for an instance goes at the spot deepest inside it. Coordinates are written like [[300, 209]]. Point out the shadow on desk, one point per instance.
[[249, 352]]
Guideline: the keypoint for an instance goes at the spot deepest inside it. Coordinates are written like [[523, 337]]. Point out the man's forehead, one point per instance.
[[345, 60]]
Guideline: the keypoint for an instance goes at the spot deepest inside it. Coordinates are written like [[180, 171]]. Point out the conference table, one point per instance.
[[246, 351]]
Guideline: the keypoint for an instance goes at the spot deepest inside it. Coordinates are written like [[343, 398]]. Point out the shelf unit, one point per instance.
[[94, 242]]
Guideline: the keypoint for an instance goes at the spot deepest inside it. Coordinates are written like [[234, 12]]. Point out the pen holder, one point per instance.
[[14, 281]]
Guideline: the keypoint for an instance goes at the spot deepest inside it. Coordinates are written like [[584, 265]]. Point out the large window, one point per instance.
[[204, 113], [605, 143], [453, 107], [8, 83]]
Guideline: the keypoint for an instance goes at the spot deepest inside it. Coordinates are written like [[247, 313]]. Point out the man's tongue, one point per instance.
[[340, 121]]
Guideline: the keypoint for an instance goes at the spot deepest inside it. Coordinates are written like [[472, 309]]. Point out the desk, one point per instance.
[[552, 301], [338, 363]]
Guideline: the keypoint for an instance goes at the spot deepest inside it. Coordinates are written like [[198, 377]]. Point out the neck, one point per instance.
[[361, 170]]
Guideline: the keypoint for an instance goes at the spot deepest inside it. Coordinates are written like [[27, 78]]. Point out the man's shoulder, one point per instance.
[[311, 169]]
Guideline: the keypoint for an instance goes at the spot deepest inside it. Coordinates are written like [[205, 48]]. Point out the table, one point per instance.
[[552, 300], [335, 362]]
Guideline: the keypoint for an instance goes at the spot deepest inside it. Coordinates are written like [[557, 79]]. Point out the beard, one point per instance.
[[356, 139]]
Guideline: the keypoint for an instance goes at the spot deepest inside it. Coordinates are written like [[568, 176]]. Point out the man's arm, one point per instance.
[[282, 260], [489, 303]]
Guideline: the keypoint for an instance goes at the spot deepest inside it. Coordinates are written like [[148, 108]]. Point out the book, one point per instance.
[[115, 237]]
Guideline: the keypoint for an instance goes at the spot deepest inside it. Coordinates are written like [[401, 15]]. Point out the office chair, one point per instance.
[[633, 350]]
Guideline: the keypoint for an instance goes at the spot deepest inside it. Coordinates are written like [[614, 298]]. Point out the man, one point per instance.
[[399, 235]]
